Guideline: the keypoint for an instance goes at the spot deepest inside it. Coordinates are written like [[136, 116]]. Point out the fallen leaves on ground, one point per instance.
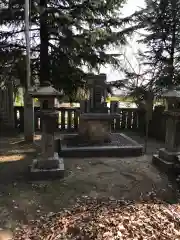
[[107, 220]]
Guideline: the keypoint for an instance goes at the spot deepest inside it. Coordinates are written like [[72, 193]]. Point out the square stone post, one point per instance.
[[11, 104], [82, 106], [172, 139], [114, 106], [45, 105], [28, 118], [168, 156]]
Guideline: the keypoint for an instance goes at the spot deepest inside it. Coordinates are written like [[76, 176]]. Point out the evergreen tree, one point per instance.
[[74, 34], [161, 23], [159, 61]]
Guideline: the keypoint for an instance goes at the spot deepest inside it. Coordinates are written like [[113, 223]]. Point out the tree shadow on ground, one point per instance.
[[22, 200]]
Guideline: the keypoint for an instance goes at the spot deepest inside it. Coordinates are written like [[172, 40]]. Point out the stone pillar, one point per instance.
[[88, 106], [6, 100], [114, 106], [11, 104], [48, 128], [172, 140], [91, 98], [28, 117], [82, 106], [97, 88], [45, 105], [167, 157]]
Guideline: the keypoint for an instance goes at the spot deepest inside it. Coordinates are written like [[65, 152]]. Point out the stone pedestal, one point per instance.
[[168, 157], [48, 164], [96, 127]]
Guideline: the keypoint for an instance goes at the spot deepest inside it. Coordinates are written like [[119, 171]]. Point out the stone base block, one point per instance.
[[165, 166], [47, 169], [94, 130], [168, 156], [120, 146]]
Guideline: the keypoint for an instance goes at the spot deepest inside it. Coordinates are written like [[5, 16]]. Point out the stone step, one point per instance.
[[167, 155], [162, 164]]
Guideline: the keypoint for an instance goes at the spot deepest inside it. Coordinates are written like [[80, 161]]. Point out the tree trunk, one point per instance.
[[173, 42], [44, 61]]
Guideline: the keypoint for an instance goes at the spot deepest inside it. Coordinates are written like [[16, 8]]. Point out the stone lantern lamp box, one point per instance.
[[48, 164]]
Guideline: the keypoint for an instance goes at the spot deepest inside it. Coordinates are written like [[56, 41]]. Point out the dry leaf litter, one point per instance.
[[108, 221]]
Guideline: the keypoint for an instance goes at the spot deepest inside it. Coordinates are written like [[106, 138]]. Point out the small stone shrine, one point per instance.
[[168, 157], [98, 93], [94, 137], [48, 164], [95, 125]]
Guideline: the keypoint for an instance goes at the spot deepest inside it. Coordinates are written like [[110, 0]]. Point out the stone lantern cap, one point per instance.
[[93, 78], [172, 97], [45, 90]]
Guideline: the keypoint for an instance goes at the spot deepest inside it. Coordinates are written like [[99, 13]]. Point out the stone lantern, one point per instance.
[[172, 98], [48, 164], [168, 156]]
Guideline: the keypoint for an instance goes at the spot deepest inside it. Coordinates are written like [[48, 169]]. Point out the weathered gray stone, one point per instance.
[[98, 92], [94, 130], [49, 162], [120, 146], [167, 158], [94, 137]]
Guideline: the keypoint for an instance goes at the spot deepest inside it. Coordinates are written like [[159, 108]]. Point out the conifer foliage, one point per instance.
[[68, 36], [161, 22]]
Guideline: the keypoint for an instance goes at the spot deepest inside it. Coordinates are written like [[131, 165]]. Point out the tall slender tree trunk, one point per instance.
[[44, 61], [28, 101], [173, 42]]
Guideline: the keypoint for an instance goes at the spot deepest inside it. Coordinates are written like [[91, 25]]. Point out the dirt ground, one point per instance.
[[22, 200]]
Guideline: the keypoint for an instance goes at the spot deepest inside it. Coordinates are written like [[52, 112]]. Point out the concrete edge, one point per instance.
[[35, 174], [130, 139], [135, 145], [162, 165]]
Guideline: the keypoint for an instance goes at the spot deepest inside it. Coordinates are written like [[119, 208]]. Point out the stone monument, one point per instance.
[[95, 125], [98, 93], [168, 157], [48, 164], [94, 137]]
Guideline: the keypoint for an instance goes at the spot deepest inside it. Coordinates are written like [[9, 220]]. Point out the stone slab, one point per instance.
[[46, 164], [42, 170], [133, 149], [162, 164], [168, 156]]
